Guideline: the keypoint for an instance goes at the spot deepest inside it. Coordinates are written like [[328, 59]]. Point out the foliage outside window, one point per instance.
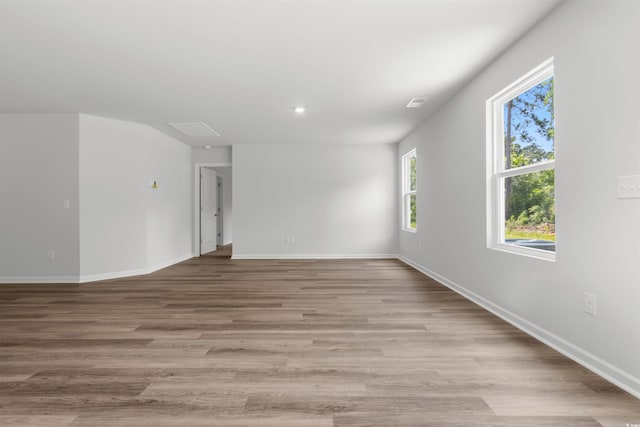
[[409, 186], [521, 143]]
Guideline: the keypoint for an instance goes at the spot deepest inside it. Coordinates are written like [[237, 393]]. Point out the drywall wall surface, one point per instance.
[[597, 96], [314, 201], [126, 225], [218, 155], [169, 208], [39, 197]]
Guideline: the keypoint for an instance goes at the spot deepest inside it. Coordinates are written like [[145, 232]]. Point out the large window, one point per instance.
[[409, 222], [521, 165]]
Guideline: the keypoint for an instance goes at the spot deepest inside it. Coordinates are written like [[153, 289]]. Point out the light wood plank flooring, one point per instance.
[[218, 342]]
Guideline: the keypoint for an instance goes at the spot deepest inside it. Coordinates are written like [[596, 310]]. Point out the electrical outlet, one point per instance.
[[629, 187], [51, 254], [590, 304]]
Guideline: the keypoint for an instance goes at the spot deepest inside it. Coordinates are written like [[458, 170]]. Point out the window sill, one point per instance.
[[540, 254]]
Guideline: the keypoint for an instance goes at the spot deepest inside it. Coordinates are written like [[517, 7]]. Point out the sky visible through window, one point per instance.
[[532, 122]]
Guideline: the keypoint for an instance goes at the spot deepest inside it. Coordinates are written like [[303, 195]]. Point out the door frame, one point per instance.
[[220, 208], [196, 203], [208, 200]]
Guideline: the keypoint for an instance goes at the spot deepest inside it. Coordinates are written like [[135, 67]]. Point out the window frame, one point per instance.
[[407, 192], [496, 172]]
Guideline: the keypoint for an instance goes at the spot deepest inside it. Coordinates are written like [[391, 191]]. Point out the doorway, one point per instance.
[[220, 217], [212, 208], [209, 211]]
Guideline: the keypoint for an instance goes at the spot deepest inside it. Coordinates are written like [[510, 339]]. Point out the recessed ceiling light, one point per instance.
[[207, 147], [415, 103], [194, 129], [299, 110]]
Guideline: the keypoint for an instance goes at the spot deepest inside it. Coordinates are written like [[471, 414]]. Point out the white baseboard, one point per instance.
[[169, 263], [315, 256], [617, 376], [129, 273], [39, 279], [94, 277], [86, 278]]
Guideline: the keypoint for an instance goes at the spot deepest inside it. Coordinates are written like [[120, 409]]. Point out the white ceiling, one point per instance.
[[241, 66]]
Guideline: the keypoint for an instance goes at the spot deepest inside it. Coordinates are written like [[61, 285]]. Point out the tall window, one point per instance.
[[521, 156], [409, 222]]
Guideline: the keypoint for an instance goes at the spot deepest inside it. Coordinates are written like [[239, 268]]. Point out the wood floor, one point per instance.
[[217, 342]]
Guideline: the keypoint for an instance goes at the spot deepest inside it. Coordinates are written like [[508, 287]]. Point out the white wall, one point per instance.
[[335, 200], [596, 46], [115, 224], [126, 227], [38, 172], [219, 155], [169, 213]]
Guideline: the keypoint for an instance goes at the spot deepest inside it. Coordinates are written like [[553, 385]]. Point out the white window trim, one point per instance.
[[495, 166], [407, 192]]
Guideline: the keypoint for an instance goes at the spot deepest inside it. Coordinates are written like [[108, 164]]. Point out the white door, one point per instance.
[[208, 211]]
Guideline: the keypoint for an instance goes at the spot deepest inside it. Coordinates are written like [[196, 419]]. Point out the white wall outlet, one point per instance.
[[51, 254], [590, 303], [629, 187], [66, 203]]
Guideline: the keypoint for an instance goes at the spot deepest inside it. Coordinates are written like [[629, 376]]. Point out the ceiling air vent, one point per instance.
[[415, 103], [194, 129]]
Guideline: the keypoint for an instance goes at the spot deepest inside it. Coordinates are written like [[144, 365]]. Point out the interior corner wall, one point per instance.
[[38, 173], [597, 64], [169, 208], [329, 201], [126, 226]]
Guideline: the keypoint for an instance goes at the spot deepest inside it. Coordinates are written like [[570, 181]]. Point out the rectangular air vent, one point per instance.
[[194, 129], [415, 103]]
